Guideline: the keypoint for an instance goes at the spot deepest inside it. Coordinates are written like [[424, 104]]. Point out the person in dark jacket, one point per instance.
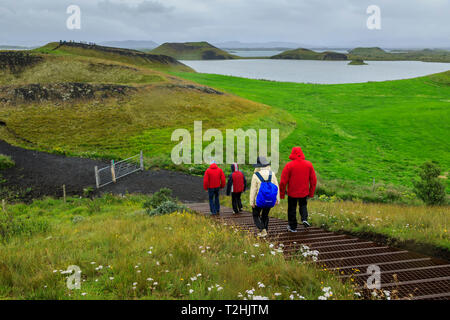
[[213, 181], [300, 178], [235, 186]]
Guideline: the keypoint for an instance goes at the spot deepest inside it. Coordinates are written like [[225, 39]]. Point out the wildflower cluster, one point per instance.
[[327, 293], [381, 294], [250, 294], [307, 252]]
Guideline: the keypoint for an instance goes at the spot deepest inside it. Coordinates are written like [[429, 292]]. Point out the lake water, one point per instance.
[[254, 53], [323, 72]]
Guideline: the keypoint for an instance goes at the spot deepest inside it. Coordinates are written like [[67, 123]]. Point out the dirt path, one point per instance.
[[46, 173]]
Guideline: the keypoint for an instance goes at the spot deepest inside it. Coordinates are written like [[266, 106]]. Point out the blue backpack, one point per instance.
[[268, 192]]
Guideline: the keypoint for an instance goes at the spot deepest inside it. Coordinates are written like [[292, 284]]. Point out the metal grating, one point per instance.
[[406, 274]]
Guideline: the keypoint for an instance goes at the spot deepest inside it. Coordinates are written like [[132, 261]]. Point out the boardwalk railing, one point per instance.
[[117, 170]]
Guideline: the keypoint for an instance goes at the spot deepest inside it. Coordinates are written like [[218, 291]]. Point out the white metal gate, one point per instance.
[[117, 170]]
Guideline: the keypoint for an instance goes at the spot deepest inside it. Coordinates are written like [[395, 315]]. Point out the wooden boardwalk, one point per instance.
[[411, 275]]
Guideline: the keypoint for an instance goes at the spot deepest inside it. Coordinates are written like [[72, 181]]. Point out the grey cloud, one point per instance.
[[144, 7], [417, 23]]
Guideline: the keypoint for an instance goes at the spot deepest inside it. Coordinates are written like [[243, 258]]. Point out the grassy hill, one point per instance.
[[111, 103], [193, 51], [356, 132], [375, 53], [138, 58], [306, 54]]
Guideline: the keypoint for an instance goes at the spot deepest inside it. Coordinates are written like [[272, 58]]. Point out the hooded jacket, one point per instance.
[[214, 178], [298, 176], [236, 180], [256, 183]]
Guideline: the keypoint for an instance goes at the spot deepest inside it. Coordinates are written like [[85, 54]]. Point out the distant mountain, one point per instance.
[[256, 45], [376, 53], [131, 44], [306, 54], [192, 51], [7, 47]]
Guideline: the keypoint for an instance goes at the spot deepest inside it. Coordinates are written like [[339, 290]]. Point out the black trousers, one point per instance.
[[292, 210], [261, 218], [236, 201]]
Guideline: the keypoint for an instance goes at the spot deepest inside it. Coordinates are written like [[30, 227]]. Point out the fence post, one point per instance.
[[64, 192], [142, 160], [113, 171], [97, 177], [4, 205]]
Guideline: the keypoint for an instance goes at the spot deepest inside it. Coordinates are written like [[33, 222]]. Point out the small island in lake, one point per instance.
[[357, 62]]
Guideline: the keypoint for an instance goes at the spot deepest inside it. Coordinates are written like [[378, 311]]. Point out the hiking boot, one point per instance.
[[262, 234], [306, 224], [291, 230]]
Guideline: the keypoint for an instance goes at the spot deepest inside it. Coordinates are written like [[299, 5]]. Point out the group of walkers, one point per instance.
[[298, 177]]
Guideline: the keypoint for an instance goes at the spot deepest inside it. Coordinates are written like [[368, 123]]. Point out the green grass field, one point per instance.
[[356, 132], [125, 254]]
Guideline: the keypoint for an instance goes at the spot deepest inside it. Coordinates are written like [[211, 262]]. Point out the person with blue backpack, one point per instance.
[[264, 194]]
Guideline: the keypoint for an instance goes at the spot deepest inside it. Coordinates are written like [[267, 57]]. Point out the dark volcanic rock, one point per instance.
[[193, 87], [16, 61], [61, 92]]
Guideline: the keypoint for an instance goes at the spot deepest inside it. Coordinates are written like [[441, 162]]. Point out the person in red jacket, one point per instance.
[[213, 181], [235, 186], [300, 178]]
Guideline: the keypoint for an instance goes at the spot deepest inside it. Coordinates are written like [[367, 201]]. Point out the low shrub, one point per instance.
[[430, 189], [162, 202], [166, 208], [6, 162]]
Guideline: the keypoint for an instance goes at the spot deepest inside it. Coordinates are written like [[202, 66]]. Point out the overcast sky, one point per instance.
[[332, 23]]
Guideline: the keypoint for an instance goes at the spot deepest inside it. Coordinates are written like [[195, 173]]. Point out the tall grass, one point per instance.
[[125, 254]]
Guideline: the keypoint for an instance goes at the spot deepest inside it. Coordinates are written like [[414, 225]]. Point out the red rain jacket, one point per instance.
[[214, 178], [236, 180], [299, 176]]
